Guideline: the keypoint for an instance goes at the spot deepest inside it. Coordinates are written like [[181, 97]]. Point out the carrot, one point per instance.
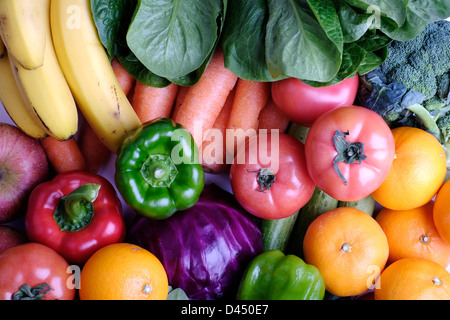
[[63, 155], [271, 117], [151, 103], [214, 152], [250, 99], [181, 94], [126, 81], [93, 149], [205, 99]]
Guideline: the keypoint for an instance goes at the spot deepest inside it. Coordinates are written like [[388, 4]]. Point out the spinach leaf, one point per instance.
[[192, 78], [243, 40], [297, 45], [328, 19], [419, 14], [173, 38], [139, 72], [353, 23], [389, 10], [111, 17]]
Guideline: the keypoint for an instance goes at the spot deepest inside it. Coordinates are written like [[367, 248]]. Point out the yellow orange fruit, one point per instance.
[[123, 271], [348, 247], [417, 171], [413, 279]]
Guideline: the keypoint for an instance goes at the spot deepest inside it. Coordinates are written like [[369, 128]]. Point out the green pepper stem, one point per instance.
[[75, 210], [159, 170]]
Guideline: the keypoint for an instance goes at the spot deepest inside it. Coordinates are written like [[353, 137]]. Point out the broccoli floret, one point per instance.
[[444, 125], [412, 87], [419, 62], [424, 82]]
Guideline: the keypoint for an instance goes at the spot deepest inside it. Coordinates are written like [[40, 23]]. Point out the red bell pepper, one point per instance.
[[76, 214]]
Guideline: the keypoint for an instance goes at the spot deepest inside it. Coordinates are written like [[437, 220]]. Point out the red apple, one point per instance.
[[10, 237], [23, 165]]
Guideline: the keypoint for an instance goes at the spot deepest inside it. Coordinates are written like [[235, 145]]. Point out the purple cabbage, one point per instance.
[[204, 249]]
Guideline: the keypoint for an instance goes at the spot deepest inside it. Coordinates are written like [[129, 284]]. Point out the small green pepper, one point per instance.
[[157, 169], [274, 276]]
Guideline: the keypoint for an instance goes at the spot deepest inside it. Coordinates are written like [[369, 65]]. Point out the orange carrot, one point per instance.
[[126, 81], [250, 99], [63, 155], [205, 99], [214, 152], [181, 94], [94, 151], [271, 117], [151, 103]]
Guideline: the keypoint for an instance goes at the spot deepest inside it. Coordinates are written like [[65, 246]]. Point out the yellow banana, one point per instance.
[[89, 73], [46, 91], [13, 103], [23, 32]]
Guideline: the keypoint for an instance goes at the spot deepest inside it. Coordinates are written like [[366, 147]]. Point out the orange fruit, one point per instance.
[[348, 247], [441, 211], [413, 279], [417, 171], [412, 233], [123, 271]]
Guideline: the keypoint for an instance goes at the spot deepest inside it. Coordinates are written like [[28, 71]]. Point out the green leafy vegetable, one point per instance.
[[174, 38], [111, 18], [297, 45], [321, 42]]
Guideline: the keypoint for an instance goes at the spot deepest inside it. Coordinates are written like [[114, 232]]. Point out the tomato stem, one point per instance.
[[347, 152], [31, 293], [265, 178]]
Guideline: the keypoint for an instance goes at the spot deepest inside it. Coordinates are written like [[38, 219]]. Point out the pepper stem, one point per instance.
[[159, 170], [347, 152], [75, 210]]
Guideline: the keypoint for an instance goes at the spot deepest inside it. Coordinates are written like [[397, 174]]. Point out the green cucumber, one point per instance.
[[276, 233], [366, 204], [319, 203]]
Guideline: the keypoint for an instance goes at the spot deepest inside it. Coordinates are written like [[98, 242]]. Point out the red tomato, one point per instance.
[[362, 140], [34, 264], [303, 104], [271, 187]]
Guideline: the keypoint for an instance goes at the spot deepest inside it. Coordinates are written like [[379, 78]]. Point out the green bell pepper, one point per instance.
[[272, 275], [157, 169]]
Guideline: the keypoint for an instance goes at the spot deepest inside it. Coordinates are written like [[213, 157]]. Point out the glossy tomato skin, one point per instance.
[[292, 187], [364, 126], [303, 104], [33, 264]]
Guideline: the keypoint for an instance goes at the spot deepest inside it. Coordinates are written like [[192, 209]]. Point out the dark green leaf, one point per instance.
[[243, 39], [296, 44], [328, 19], [174, 38], [111, 18], [139, 72], [353, 24]]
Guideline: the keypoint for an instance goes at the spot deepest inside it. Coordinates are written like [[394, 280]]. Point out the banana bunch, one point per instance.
[[88, 71], [53, 64], [11, 98], [46, 98]]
